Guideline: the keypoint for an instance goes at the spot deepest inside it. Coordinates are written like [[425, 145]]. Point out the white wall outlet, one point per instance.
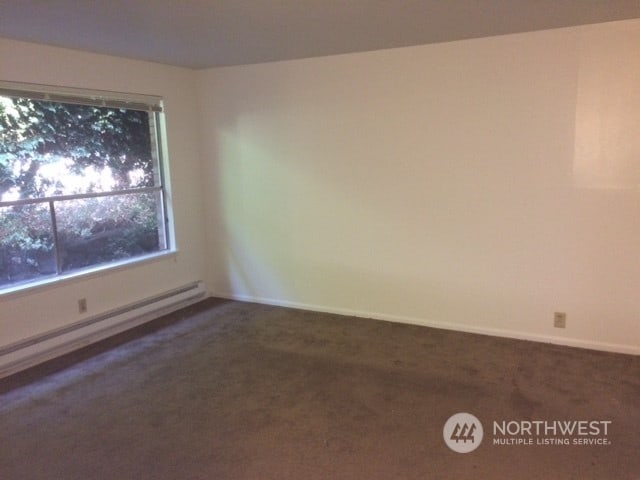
[[560, 320]]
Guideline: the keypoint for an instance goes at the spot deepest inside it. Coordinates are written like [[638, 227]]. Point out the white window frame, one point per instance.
[[150, 103]]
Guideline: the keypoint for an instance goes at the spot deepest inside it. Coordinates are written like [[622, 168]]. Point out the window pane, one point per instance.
[[95, 231], [26, 243], [52, 148], [75, 147]]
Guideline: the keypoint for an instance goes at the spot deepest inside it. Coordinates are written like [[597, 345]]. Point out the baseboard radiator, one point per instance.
[[46, 346]]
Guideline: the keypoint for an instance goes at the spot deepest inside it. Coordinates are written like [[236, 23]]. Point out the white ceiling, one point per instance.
[[209, 33]]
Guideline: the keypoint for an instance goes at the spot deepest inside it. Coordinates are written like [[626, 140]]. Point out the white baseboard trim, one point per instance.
[[48, 345], [458, 327]]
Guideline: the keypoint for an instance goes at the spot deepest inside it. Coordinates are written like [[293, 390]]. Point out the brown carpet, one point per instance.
[[229, 390]]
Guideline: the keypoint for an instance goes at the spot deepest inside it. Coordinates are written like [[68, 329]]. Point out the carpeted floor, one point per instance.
[[229, 390]]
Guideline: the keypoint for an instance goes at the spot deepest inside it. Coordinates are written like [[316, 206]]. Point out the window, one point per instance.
[[81, 182]]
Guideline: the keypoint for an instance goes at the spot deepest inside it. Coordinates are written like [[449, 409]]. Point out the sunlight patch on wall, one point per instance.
[[607, 132], [252, 241]]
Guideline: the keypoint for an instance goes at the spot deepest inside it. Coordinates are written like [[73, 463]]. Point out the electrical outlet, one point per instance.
[[560, 320], [82, 305]]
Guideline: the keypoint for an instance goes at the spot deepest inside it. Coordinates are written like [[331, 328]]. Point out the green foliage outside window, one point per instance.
[[69, 176]]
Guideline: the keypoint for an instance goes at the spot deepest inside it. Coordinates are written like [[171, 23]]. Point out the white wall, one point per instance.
[[478, 185], [27, 314]]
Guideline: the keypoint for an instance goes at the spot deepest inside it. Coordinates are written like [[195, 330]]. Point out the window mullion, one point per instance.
[[79, 196], [56, 244]]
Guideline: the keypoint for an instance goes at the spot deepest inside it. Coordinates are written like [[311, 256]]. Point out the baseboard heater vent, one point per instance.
[[40, 348]]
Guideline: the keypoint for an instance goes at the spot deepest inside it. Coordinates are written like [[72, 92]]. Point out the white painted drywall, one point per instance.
[[27, 314], [478, 185]]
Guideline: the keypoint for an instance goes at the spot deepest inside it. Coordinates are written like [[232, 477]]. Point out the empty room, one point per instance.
[[319, 240]]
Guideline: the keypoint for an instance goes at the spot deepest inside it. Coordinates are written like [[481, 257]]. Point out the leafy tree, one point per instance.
[[35, 134]]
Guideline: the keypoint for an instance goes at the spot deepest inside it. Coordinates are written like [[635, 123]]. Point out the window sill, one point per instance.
[[82, 275]]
